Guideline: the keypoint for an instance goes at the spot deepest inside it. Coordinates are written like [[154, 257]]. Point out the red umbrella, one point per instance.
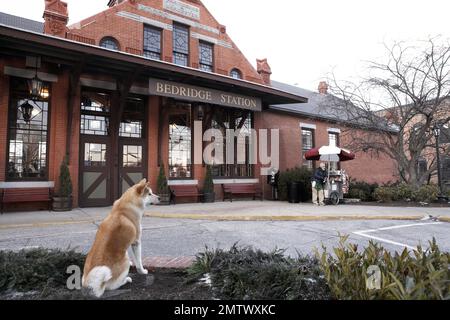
[[329, 153]]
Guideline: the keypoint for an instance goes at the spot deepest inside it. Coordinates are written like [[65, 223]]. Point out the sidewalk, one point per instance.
[[284, 211], [226, 211]]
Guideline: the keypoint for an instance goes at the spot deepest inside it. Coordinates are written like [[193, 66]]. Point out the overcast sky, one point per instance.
[[303, 40]]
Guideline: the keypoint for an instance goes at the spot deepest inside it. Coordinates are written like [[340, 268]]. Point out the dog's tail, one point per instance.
[[96, 280]]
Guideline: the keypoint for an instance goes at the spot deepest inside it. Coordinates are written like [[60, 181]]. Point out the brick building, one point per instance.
[[121, 90]]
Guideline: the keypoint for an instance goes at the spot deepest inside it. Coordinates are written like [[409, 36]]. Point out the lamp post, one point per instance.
[[437, 133]]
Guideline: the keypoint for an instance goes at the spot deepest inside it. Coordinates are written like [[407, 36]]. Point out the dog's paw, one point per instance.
[[143, 271], [128, 280]]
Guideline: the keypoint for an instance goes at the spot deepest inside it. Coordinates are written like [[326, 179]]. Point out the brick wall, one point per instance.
[[130, 34], [365, 167]]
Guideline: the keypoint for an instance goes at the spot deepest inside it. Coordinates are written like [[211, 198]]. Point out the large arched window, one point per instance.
[[109, 43], [236, 74]]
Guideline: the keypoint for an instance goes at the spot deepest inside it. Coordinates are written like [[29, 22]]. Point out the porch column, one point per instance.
[[4, 97], [153, 130]]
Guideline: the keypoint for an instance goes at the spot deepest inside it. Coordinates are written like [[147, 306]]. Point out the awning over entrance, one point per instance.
[[103, 61]]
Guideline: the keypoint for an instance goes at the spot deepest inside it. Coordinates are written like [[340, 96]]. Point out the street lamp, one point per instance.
[[437, 133]]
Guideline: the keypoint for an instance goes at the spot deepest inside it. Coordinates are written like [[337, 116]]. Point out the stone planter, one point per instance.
[[164, 199], [209, 197], [61, 204]]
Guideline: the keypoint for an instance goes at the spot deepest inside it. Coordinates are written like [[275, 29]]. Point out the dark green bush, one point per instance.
[[362, 190], [162, 185], [423, 274], [208, 186], [245, 273], [35, 269], [65, 183], [298, 174]]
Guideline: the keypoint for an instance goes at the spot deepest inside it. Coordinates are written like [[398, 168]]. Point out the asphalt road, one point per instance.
[[174, 237]]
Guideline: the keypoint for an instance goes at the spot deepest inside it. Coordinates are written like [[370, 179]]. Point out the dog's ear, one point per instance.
[[141, 186]]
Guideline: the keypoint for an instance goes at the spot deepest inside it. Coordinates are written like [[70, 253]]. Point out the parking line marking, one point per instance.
[[401, 226], [384, 240], [363, 233]]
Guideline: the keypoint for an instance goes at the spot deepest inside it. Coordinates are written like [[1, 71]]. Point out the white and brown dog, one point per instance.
[[107, 263]]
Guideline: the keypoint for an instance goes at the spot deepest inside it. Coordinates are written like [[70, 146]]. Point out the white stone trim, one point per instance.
[[176, 18], [182, 8], [182, 182], [138, 18], [308, 126], [235, 181], [27, 184], [29, 74], [334, 130], [211, 40]]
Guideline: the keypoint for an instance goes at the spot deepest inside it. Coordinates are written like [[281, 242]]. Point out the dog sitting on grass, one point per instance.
[[107, 264]]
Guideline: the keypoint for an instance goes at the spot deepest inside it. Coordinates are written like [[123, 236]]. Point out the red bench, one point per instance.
[[25, 195], [240, 189], [185, 191]]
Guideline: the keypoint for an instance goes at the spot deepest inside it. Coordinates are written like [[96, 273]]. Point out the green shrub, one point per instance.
[[248, 274], [208, 186], [362, 190], [35, 269], [298, 174], [163, 187], [65, 183], [404, 192], [385, 194], [424, 274], [426, 193]]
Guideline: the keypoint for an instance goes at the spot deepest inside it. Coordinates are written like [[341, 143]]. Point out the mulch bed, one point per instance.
[[161, 284]]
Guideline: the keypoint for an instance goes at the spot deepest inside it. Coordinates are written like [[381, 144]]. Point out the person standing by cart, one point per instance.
[[318, 185]]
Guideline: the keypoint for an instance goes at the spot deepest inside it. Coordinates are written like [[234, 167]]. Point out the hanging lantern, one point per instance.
[[36, 86], [27, 111]]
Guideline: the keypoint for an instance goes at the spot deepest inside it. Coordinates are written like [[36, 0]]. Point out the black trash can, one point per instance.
[[293, 192], [302, 193]]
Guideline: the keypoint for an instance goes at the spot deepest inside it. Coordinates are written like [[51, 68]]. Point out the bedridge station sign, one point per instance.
[[199, 94]]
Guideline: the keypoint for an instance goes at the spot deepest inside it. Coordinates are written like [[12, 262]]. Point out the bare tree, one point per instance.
[[398, 104]]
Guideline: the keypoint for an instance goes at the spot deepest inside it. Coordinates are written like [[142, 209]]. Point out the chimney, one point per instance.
[[112, 3], [323, 87], [56, 17], [263, 68]]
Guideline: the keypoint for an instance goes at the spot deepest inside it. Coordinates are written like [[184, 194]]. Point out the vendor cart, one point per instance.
[[337, 184]]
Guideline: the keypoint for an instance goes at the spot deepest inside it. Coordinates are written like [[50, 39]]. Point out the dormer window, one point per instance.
[[236, 74], [109, 43]]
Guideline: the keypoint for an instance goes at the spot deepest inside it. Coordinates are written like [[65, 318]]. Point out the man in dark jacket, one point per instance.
[[318, 184]]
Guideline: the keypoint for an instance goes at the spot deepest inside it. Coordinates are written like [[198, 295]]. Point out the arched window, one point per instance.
[[109, 43], [236, 74]]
